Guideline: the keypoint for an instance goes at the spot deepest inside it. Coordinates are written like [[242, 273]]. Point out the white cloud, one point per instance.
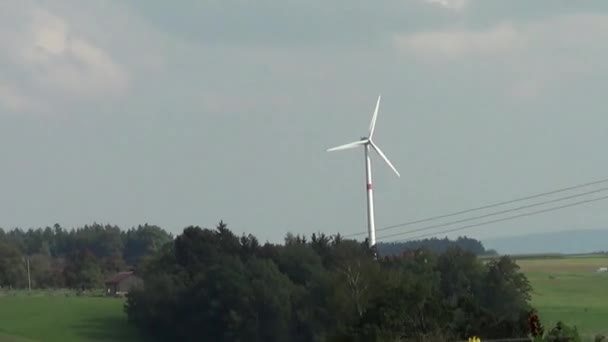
[[529, 58], [52, 61], [68, 61], [450, 4], [571, 34], [448, 44]]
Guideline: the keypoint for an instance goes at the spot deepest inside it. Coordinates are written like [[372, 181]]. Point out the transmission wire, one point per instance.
[[504, 219], [481, 207], [495, 213]]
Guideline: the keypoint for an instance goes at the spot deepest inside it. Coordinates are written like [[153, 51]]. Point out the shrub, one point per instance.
[[563, 333]]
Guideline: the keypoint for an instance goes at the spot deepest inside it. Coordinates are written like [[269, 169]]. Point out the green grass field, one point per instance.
[[569, 289], [25, 318]]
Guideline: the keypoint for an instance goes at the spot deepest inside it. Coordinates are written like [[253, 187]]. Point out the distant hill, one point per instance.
[[567, 242]]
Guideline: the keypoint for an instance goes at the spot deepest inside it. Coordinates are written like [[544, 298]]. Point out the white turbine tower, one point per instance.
[[368, 142]]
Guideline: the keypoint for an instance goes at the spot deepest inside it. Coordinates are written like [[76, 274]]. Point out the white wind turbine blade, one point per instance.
[[347, 146], [372, 125], [384, 157]]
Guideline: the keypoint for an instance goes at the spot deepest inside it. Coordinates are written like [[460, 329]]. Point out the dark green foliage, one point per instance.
[[505, 299], [213, 285], [12, 266], [563, 333], [46, 271], [433, 244], [83, 271], [142, 242], [77, 258]]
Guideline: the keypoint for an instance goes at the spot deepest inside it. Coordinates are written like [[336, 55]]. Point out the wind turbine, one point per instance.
[[367, 143]]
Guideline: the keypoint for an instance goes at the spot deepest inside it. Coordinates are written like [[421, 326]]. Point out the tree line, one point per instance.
[[83, 257], [215, 285], [434, 245], [74, 258]]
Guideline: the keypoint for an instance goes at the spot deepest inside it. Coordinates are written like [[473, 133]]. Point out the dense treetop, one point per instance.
[[215, 284]]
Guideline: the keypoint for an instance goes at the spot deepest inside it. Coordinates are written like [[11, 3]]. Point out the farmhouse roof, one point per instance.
[[118, 277]]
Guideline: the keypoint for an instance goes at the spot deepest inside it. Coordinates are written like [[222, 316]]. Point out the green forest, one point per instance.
[[211, 284], [80, 258]]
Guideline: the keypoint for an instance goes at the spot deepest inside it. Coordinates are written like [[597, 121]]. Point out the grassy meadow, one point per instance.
[[53, 317], [568, 288]]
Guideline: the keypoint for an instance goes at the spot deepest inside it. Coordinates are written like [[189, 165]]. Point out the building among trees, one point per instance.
[[121, 283]]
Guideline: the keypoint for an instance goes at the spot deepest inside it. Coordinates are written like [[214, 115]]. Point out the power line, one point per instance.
[[495, 213], [506, 218], [481, 207]]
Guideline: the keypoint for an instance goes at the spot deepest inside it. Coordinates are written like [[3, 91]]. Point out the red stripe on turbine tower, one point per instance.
[[369, 186]]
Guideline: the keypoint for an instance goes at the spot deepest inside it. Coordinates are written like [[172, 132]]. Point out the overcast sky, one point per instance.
[[191, 112]]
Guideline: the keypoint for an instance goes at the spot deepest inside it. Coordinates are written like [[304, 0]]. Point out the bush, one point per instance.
[[563, 333]]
